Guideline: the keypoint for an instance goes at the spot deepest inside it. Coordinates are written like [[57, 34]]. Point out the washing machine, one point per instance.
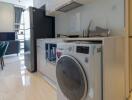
[[79, 71]]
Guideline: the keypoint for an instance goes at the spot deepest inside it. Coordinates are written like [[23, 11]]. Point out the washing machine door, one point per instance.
[[71, 78]]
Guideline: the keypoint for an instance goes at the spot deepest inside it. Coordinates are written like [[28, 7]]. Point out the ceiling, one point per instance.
[[25, 3]]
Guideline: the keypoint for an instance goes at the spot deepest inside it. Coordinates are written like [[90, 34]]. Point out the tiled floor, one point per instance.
[[18, 84]]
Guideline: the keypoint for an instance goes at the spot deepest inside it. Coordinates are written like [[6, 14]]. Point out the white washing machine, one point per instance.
[[78, 71]]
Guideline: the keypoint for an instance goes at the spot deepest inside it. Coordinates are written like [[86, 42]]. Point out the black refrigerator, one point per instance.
[[37, 25]]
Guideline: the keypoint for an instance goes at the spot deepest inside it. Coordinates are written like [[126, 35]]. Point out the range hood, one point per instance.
[[69, 6]]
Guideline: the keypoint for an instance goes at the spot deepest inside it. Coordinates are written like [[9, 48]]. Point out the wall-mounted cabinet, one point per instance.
[[55, 7], [51, 6]]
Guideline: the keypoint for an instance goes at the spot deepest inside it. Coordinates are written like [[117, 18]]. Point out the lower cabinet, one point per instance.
[[40, 59], [44, 66], [51, 72]]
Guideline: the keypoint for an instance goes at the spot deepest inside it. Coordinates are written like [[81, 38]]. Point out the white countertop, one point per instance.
[[80, 39]]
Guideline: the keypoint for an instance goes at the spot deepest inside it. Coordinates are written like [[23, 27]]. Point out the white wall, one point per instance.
[[6, 17], [104, 13]]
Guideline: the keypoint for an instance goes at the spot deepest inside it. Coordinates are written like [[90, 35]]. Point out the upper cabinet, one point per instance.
[[55, 7], [51, 6]]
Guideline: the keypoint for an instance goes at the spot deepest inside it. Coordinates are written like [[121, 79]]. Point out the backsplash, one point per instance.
[[103, 13]]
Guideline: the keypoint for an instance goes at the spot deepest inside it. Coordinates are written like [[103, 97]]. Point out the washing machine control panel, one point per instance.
[[82, 49]]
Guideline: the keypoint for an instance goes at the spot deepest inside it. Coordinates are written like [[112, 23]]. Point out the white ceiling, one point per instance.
[[25, 3]]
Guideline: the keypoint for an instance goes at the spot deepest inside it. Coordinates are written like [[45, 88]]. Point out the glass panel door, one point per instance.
[[71, 78]]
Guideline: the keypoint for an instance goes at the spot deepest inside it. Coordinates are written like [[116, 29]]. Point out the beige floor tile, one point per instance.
[[16, 83]]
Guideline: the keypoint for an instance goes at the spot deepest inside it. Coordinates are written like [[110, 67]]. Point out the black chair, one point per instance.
[[3, 48]]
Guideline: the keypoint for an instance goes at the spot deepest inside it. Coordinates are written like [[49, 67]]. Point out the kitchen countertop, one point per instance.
[[80, 39]]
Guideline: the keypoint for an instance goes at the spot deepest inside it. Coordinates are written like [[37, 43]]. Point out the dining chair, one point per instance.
[[3, 48]]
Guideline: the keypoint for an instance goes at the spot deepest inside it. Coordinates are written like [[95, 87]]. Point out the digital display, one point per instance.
[[82, 49]]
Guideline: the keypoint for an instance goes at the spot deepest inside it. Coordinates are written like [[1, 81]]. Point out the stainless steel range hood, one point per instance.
[[69, 6]]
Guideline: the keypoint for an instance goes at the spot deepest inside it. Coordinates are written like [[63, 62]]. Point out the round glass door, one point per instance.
[[71, 78]]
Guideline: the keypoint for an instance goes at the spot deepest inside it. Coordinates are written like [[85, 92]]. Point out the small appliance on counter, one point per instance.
[[95, 31]]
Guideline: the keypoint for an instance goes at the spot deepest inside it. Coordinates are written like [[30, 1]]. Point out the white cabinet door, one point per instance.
[[60, 3], [52, 5], [51, 71], [43, 65], [40, 60]]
